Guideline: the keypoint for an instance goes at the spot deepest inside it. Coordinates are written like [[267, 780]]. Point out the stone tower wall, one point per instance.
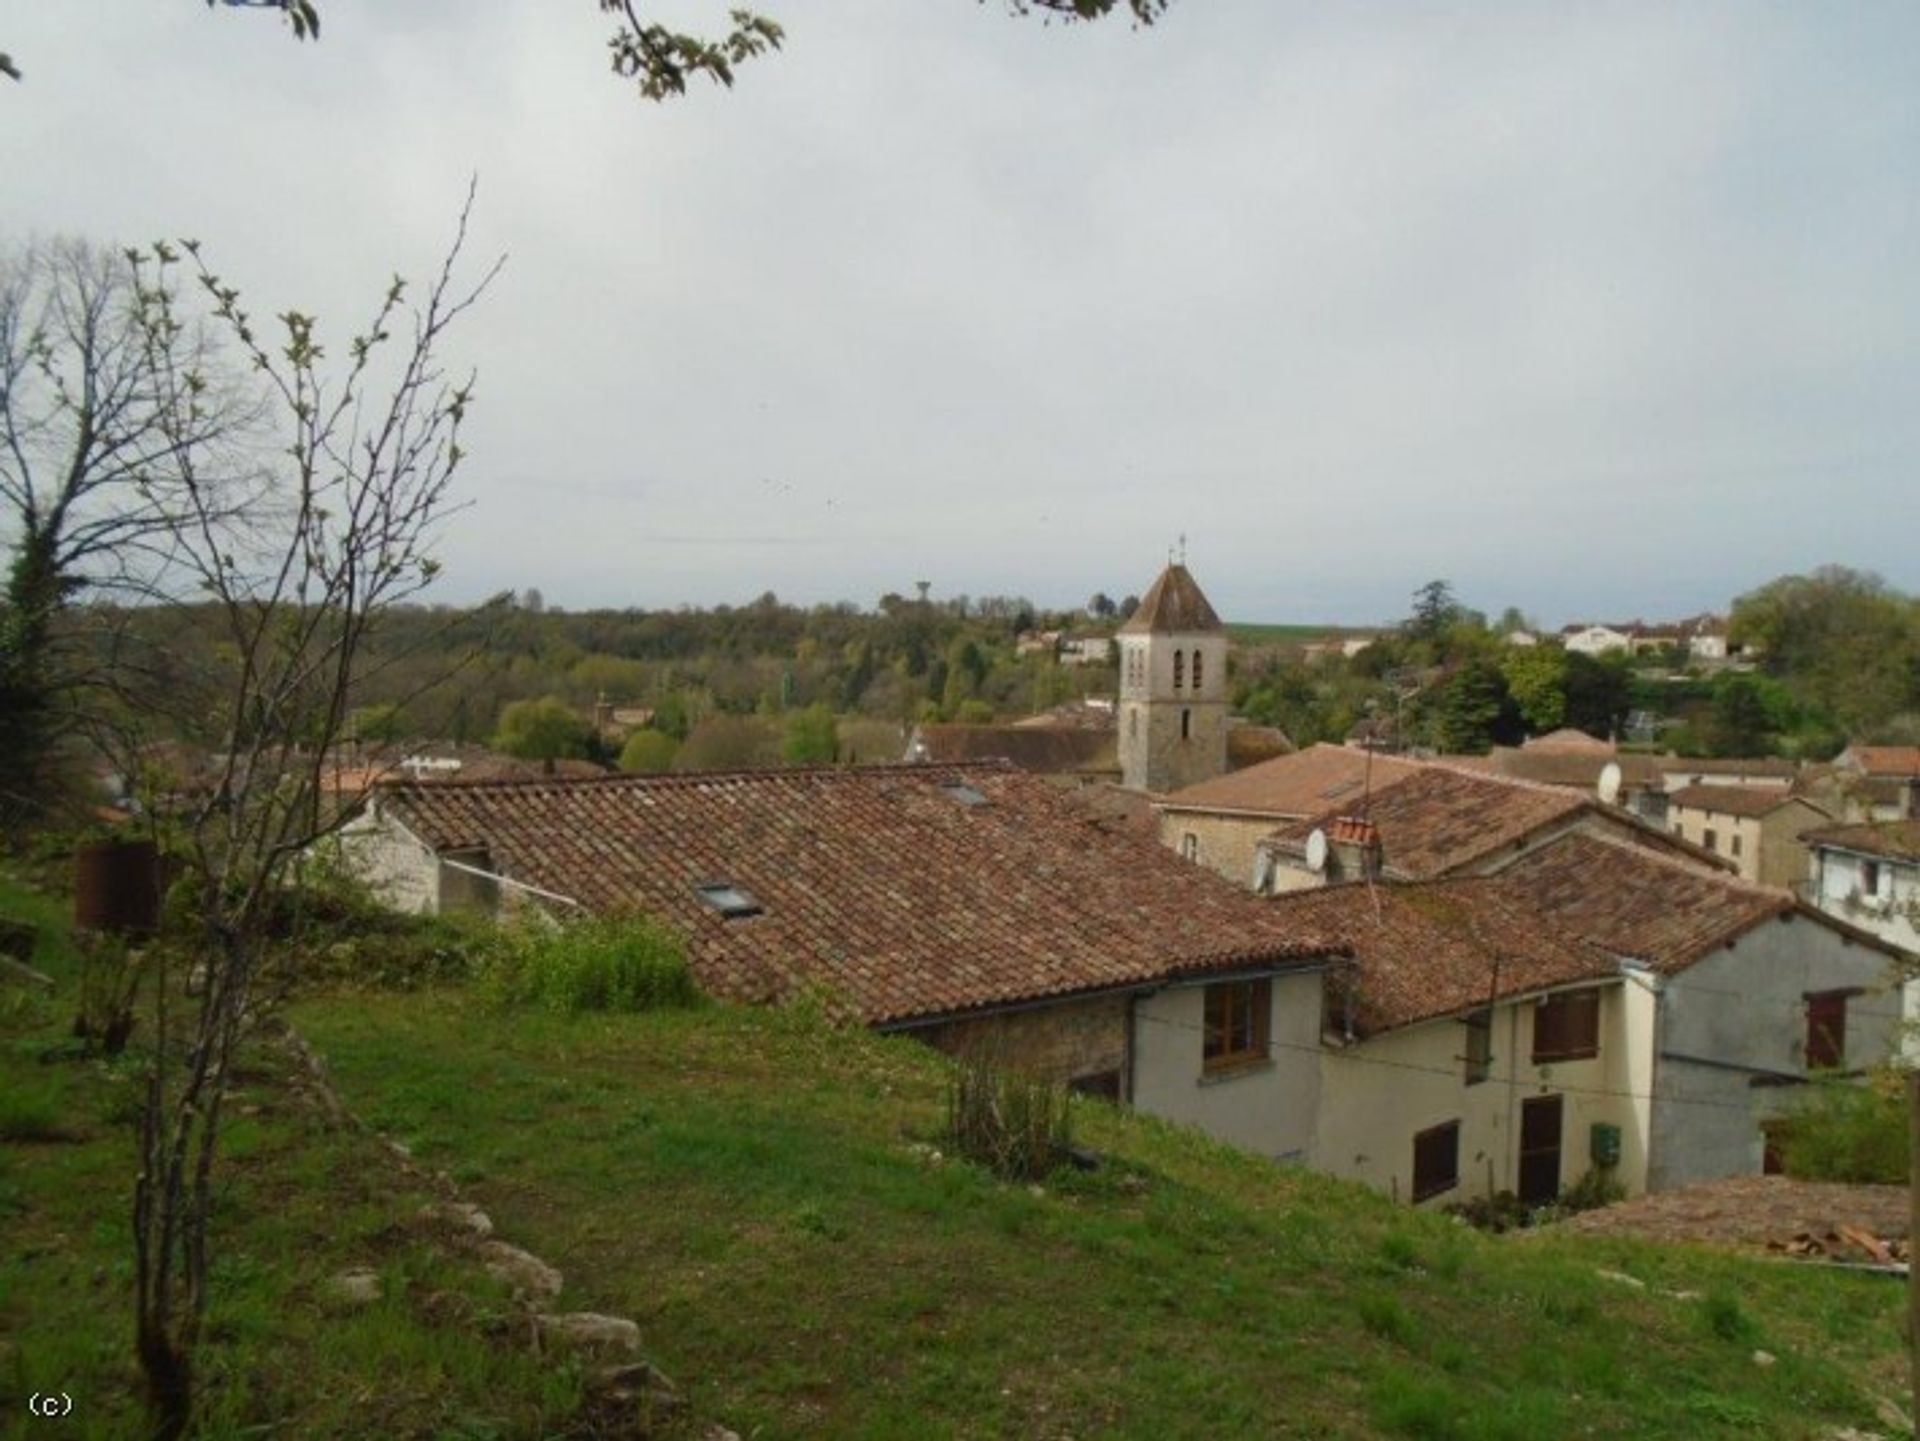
[[1172, 735]]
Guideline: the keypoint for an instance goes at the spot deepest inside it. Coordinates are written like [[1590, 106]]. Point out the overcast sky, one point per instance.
[[1598, 310]]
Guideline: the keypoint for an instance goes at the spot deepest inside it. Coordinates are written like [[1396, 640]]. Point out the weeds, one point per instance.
[[1727, 1318], [590, 965], [1846, 1131], [1017, 1127], [110, 976], [1386, 1318], [31, 1116]]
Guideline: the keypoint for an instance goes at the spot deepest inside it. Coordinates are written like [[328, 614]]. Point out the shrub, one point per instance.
[[1597, 1188], [612, 964], [1017, 1127], [109, 984], [1727, 1318], [648, 752], [1847, 1131], [1386, 1318], [31, 1116]]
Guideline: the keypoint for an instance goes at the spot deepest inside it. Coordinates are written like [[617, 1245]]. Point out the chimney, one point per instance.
[[1353, 849]]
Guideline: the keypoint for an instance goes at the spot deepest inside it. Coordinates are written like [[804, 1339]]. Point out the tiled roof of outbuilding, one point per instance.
[[1045, 750], [1747, 801], [909, 892], [1886, 760], [1439, 948], [1895, 840]]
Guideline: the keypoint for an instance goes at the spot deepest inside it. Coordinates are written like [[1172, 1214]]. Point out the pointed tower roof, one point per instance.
[[1174, 606]]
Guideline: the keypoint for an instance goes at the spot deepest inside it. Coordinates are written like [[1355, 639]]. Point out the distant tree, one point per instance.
[[974, 713], [532, 602], [1435, 608], [544, 730], [673, 715], [1101, 605], [1128, 606], [648, 752], [730, 743], [377, 724], [1536, 678], [812, 737], [1754, 714], [1512, 619], [1844, 641], [1599, 693], [1475, 710], [112, 408]]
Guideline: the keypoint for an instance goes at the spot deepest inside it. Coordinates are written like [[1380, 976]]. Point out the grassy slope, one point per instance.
[[297, 1203], [744, 1185]]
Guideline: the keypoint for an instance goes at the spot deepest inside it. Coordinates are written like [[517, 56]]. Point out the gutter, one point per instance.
[[499, 879], [1135, 990]]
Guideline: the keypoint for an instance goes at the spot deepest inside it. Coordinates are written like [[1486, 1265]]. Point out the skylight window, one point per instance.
[[728, 899], [965, 794]]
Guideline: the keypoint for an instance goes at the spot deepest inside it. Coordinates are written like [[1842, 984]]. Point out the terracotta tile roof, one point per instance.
[[1173, 606], [1886, 760], [879, 883], [1095, 715], [1748, 801], [1437, 819], [1896, 840], [1249, 745], [1307, 783], [1635, 903], [1045, 750], [1441, 948], [1572, 769], [1569, 739]]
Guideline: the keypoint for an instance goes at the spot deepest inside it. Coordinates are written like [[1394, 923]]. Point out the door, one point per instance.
[[1539, 1150]]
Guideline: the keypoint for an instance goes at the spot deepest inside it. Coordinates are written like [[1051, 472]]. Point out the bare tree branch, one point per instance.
[[368, 454]]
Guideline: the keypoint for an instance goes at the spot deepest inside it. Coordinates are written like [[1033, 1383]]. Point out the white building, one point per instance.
[[1594, 1005], [1869, 876], [1594, 639]]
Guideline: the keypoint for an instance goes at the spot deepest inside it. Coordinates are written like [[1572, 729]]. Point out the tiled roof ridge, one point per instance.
[[1746, 801], [1729, 879], [989, 764], [1486, 890], [1858, 836], [1519, 783]]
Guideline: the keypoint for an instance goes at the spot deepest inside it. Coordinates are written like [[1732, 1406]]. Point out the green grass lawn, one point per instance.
[[755, 1190], [747, 1186], [441, 1355]]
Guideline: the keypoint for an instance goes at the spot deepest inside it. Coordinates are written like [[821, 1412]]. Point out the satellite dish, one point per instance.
[[1610, 778], [1317, 850]]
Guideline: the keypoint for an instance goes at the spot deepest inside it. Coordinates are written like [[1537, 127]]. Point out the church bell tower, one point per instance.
[[1173, 688]]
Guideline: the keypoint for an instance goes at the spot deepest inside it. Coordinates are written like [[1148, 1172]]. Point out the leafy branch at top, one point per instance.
[[661, 61]]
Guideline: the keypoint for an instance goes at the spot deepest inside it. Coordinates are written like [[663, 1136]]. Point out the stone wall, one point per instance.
[[1223, 844], [1071, 1041]]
